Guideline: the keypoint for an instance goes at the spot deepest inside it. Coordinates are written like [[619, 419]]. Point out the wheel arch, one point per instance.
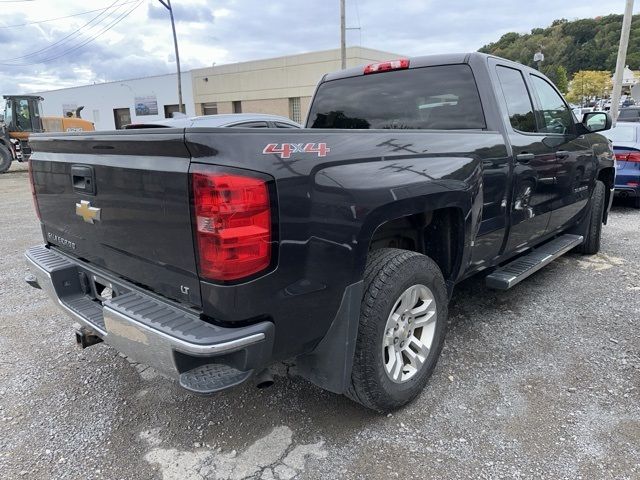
[[437, 226]]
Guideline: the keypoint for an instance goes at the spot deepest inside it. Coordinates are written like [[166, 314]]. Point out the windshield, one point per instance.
[[621, 134], [441, 97]]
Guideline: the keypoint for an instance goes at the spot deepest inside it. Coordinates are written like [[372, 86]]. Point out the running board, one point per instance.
[[513, 273]]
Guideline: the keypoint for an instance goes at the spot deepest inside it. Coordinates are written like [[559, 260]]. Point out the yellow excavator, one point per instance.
[[22, 118]]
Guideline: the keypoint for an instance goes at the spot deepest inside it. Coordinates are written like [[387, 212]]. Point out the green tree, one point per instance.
[[586, 84], [585, 44], [561, 80]]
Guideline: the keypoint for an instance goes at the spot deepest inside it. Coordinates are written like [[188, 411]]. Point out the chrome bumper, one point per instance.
[[144, 327]]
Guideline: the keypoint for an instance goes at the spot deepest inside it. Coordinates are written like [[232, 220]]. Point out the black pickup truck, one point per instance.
[[212, 253]]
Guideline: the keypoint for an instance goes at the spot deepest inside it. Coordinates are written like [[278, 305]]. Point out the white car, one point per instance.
[[238, 120]]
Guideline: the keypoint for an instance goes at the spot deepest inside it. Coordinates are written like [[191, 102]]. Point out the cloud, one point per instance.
[[181, 13]]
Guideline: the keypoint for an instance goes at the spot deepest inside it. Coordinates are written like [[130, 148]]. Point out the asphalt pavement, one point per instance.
[[542, 381]]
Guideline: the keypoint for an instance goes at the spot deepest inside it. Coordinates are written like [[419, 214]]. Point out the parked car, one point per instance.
[[211, 253], [625, 137], [240, 120], [629, 114], [580, 111]]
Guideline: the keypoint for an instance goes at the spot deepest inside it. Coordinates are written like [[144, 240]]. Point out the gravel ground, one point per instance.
[[542, 381]]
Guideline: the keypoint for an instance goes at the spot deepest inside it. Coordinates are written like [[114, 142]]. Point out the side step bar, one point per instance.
[[513, 273]]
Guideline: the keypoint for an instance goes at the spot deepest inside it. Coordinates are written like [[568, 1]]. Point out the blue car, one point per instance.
[[625, 137]]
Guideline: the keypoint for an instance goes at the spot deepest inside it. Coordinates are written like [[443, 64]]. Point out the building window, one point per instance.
[[210, 108], [121, 117], [169, 110], [237, 106], [294, 109]]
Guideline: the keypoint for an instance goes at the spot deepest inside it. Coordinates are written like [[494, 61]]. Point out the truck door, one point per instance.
[[534, 163], [576, 163]]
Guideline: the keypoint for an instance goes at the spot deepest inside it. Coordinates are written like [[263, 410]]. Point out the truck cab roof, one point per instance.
[[422, 61]]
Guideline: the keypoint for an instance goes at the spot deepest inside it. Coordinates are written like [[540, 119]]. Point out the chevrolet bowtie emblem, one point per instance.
[[88, 213]]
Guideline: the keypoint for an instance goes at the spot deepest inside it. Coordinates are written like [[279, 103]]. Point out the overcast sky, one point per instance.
[[134, 36]]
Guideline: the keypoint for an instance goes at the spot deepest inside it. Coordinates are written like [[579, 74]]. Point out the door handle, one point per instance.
[[525, 157], [83, 179], [561, 154]]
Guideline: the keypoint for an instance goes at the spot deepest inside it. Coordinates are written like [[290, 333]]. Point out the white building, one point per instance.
[[114, 104], [280, 86]]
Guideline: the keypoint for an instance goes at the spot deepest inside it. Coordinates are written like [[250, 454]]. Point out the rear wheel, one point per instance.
[[401, 330], [5, 158], [591, 244]]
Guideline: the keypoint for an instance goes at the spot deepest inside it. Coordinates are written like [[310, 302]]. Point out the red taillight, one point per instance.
[[400, 64], [633, 157], [232, 224], [33, 190], [628, 157]]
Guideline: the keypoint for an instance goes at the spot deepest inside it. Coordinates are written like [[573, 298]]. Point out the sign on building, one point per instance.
[[146, 105]]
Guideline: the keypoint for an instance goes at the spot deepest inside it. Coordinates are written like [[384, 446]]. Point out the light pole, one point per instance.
[[538, 57], [167, 5], [622, 55], [343, 40]]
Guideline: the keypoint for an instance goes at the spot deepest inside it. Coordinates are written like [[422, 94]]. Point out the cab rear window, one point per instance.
[[443, 97]]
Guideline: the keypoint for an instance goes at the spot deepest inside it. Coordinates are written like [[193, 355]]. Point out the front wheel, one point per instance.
[[401, 330], [5, 158], [591, 243]]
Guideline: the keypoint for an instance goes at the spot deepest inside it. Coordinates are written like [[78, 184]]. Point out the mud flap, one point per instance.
[[329, 364]]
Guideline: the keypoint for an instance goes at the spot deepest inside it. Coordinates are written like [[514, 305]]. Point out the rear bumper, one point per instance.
[[205, 358]]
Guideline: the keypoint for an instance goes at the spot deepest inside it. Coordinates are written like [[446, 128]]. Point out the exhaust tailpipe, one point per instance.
[[264, 379]]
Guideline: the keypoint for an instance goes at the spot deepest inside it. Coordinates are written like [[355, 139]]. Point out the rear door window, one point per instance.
[[441, 97], [517, 99]]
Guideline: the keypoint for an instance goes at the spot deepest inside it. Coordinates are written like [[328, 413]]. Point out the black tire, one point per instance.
[[636, 201], [592, 234], [388, 274], [5, 159]]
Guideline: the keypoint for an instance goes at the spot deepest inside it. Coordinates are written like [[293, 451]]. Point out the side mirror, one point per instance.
[[597, 121]]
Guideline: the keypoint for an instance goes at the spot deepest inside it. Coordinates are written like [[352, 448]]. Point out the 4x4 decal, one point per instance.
[[286, 149]]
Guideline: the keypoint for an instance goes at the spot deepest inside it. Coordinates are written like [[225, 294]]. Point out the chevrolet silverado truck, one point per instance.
[[212, 253]]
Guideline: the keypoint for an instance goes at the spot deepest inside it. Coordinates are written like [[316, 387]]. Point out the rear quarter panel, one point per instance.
[[328, 208]]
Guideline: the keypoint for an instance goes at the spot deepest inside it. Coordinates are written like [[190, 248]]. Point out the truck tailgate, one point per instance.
[[120, 201]]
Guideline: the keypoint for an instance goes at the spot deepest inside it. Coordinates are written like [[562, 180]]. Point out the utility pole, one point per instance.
[[620, 63], [343, 35], [167, 5]]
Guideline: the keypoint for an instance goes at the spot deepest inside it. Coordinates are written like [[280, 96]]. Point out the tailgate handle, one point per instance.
[[83, 179]]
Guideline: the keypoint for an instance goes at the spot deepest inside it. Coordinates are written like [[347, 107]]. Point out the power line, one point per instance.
[[64, 39], [61, 18], [85, 42]]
